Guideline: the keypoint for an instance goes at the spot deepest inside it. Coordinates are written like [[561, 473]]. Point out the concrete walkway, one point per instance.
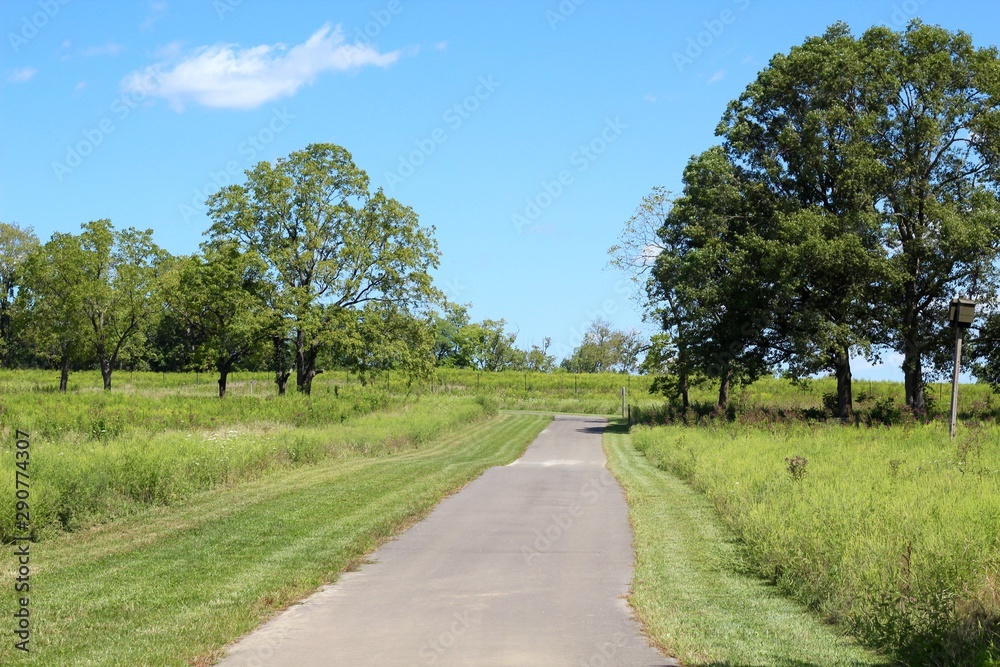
[[528, 565]]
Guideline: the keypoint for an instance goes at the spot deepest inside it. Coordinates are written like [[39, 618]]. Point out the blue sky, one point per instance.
[[525, 132]]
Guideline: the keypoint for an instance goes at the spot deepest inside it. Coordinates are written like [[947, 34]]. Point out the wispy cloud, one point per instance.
[[157, 10], [109, 49], [80, 85], [21, 74], [226, 76], [649, 97], [718, 76]]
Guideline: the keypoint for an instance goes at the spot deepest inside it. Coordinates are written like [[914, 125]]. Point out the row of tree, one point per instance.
[[303, 268], [854, 193]]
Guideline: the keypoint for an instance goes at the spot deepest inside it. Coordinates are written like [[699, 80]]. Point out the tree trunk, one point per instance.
[[281, 370], [305, 366], [913, 379], [683, 378], [845, 398], [913, 372], [724, 381], [913, 375], [223, 375], [64, 373], [106, 373]]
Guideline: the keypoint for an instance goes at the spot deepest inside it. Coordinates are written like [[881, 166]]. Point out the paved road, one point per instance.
[[528, 565]]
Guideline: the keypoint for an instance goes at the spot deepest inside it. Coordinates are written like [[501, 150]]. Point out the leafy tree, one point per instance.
[[449, 349], [16, 243], [538, 358], [330, 245], [986, 347], [937, 132], [489, 347], [217, 296], [118, 280], [640, 243], [709, 272], [383, 337], [605, 350], [802, 131], [50, 303]]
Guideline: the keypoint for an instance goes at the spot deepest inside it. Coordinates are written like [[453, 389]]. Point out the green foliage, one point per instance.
[[605, 350], [221, 300], [330, 246], [16, 244]]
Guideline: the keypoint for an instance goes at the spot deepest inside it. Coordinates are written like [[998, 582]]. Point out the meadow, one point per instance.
[[892, 532]]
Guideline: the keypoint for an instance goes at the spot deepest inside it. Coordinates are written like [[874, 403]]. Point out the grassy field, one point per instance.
[[692, 589], [893, 533], [158, 506], [171, 585]]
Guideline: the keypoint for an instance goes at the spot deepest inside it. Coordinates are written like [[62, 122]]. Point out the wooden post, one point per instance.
[[959, 335]]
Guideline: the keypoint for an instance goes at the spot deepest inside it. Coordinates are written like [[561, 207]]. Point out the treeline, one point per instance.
[[304, 268], [853, 194]]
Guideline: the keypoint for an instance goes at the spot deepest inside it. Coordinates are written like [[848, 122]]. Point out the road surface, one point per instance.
[[527, 565]]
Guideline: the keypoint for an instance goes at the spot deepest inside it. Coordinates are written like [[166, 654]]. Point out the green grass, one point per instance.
[[172, 585], [76, 481], [892, 533], [691, 587]]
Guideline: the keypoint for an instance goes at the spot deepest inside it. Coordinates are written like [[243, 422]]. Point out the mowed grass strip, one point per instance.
[[173, 586], [691, 589]]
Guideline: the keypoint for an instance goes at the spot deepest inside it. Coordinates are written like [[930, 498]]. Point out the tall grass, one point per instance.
[[894, 532], [77, 480]]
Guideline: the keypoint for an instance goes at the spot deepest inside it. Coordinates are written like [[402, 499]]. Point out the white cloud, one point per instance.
[[109, 49], [21, 74], [718, 76], [649, 97], [226, 76], [80, 85]]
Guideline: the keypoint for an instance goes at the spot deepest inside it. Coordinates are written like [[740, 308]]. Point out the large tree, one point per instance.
[[936, 99], [16, 243], [330, 245], [49, 306], [709, 273], [118, 283], [218, 296], [803, 131]]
